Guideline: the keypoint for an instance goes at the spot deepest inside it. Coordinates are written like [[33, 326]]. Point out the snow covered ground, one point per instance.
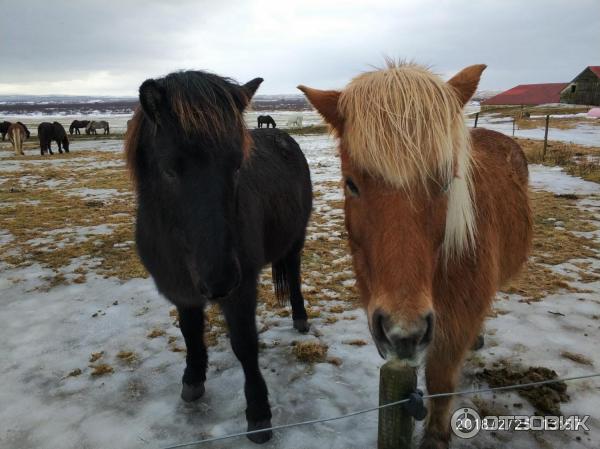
[[51, 399]]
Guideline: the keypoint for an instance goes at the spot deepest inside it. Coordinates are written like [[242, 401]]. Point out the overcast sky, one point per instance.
[[110, 47]]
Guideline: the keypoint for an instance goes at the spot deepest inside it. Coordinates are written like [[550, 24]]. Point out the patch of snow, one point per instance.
[[554, 179]]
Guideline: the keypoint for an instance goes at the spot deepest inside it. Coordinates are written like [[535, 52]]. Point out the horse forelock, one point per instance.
[[132, 137], [206, 104], [405, 125], [201, 104]]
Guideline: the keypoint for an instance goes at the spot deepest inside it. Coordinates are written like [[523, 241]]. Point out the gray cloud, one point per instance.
[[94, 47]]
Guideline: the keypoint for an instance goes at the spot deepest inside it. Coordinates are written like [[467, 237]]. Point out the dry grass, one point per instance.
[[511, 111], [96, 356], [552, 246], [312, 129], [128, 357], [312, 351], [76, 372], [155, 333], [577, 160], [559, 123], [72, 215], [577, 358], [101, 370], [356, 342]]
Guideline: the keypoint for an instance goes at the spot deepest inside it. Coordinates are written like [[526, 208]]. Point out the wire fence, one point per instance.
[[373, 409]]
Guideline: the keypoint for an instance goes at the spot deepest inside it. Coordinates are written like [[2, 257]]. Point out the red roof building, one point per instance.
[[528, 94], [595, 69]]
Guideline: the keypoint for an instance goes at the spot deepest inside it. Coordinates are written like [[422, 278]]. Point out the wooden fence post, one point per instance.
[[514, 120], [476, 119], [546, 137], [397, 380]]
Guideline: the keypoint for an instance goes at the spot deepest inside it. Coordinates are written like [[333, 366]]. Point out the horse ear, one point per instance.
[[466, 81], [248, 91], [152, 99], [326, 102], [251, 87]]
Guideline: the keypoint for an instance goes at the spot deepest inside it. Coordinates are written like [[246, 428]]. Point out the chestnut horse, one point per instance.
[[17, 134], [437, 217]]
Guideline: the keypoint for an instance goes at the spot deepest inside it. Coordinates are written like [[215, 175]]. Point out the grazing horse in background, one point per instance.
[[76, 125], [4, 129], [266, 120], [27, 133], [216, 203], [95, 125], [17, 134], [438, 217], [47, 132], [294, 121]]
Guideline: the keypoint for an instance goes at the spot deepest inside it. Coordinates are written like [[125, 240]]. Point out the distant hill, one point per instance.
[[74, 105]]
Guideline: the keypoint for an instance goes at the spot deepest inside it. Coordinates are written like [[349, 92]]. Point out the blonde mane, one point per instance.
[[405, 125]]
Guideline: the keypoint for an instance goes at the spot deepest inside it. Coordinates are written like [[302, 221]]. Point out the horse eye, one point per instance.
[[352, 187]]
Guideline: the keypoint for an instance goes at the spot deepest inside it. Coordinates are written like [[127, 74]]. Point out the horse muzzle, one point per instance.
[[220, 282], [405, 342]]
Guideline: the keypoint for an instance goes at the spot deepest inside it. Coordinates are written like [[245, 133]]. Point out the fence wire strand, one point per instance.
[[373, 409]]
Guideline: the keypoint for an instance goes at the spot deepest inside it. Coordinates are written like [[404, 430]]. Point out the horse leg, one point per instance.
[[59, 147], [239, 311], [443, 367], [191, 323]]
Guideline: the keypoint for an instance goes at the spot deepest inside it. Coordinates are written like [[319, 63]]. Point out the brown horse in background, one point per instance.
[[437, 217], [17, 134]]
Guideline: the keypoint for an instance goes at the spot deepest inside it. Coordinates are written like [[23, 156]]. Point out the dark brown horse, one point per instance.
[[438, 217], [216, 203], [47, 132], [266, 120], [76, 125], [4, 129]]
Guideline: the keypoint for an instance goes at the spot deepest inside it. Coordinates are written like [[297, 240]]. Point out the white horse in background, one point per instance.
[[295, 121], [95, 125]]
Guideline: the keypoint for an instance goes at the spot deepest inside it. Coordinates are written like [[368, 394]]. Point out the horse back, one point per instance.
[[504, 219], [58, 131], [275, 194]]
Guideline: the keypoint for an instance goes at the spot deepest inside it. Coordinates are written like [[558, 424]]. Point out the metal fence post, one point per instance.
[[546, 137]]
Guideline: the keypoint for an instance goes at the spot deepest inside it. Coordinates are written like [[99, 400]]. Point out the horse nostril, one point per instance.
[[429, 323], [378, 325]]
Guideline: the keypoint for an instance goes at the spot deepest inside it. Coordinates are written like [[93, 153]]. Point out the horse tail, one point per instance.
[[281, 282]]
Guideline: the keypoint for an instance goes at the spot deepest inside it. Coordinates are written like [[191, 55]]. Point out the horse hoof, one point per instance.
[[260, 437], [301, 326], [479, 342], [190, 393]]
